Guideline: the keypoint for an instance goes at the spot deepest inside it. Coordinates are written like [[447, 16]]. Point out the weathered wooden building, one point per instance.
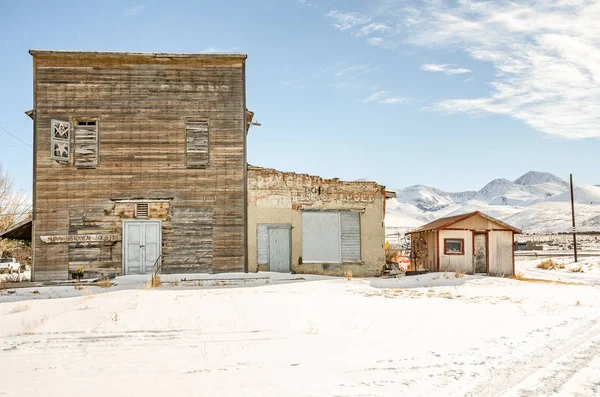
[[470, 243], [139, 158], [306, 224]]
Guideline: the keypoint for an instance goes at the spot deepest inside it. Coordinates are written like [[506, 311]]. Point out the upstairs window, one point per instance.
[[196, 143], [86, 143], [60, 140]]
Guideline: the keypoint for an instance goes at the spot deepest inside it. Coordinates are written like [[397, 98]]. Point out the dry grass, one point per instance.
[[576, 269], [391, 253], [519, 276], [459, 274], [154, 281], [550, 264], [105, 283], [20, 308], [348, 275]]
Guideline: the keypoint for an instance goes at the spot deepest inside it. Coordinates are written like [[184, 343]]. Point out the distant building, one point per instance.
[[301, 223], [470, 243]]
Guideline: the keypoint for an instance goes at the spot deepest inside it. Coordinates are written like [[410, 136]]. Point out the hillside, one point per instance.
[[535, 202]]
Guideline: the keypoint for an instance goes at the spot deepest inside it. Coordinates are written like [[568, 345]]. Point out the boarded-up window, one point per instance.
[[262, 244], [331, 236], [86, 144], [60, 140], [350, 236], [197, 143]]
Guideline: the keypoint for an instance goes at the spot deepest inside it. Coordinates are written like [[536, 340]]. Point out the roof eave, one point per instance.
[[200, 55]]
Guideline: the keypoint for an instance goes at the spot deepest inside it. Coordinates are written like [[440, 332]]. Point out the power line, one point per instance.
[[14, 136]]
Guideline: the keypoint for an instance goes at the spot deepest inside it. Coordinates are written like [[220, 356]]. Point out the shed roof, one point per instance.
[[443, 223], [20, 231], [197, 55]]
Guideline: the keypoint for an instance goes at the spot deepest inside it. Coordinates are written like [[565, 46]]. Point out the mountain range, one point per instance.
[[536, 202]]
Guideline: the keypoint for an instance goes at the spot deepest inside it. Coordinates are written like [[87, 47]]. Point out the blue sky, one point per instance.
[[447, 94]]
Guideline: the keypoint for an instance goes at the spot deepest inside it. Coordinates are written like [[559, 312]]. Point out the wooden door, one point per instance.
[[480, 253], [141, 246], [279, 250]]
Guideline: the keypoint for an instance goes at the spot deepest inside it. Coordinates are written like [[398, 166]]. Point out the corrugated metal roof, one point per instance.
[[20, 231], [445, 222]]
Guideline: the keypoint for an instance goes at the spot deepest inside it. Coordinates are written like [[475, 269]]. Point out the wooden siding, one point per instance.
[[476, 222], [501, 253], [451, 263], [428, 259], [141, 104]]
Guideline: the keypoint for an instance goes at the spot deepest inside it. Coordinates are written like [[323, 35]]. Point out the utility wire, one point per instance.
[[14, 136]]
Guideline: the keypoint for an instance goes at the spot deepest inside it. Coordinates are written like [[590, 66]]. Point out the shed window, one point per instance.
[[197, 143], [454, 246], [60, 140], [86, 143], [331, 236]]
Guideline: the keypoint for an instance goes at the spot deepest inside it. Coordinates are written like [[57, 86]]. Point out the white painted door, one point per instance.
[[141, 246], [279, 250]]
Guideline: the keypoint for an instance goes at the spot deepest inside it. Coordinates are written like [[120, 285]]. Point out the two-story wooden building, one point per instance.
[[139, 158]]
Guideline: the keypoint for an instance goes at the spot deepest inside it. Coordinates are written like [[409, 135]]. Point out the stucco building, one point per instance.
[[306, 224]]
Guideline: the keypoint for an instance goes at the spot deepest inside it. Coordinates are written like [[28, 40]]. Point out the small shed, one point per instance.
[[470, 243]]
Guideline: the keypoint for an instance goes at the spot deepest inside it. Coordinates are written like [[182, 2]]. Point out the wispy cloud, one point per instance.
[[385, 98], [135, 10], [436, 67], [546, 54], [307, 3]]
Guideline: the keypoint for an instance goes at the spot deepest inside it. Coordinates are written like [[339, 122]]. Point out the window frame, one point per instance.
[[462, 246], [74, 125], [340, 237], [66, 140]]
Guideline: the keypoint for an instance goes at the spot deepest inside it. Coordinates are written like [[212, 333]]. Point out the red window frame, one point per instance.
[[462, 246]]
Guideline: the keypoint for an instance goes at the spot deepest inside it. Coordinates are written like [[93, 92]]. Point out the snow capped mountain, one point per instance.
[[424, 198], [504, 192], [538, 178], [461, 197], [583, 194], [535, 202]]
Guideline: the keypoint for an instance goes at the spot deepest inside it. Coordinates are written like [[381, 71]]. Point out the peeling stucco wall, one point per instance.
[[277, 197]]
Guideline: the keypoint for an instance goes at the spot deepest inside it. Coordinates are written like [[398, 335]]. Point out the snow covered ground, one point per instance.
[[271, 334]]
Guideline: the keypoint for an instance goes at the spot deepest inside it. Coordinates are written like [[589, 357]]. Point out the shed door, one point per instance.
[[480, 253], [279, 250], [141, 246], [321, 237]]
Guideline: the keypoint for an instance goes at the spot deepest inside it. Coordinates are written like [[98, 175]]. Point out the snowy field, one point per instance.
[[272, 334]]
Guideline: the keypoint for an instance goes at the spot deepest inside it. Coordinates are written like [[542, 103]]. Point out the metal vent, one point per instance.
[[141, 210]]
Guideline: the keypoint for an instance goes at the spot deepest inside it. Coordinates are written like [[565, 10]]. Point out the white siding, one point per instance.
[[321, 237], [501, 253], [350, 236], [451, 263]]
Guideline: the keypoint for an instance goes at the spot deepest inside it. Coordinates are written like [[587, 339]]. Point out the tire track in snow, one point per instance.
[[512, 373], [556, 379]]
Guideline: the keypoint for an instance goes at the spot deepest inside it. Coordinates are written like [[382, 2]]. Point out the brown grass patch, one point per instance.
[[459, 274], [550, 264], [105, 283], [154, 281], [348, 275]]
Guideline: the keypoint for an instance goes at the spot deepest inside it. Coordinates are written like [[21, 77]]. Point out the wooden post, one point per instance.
[[573, 218]]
